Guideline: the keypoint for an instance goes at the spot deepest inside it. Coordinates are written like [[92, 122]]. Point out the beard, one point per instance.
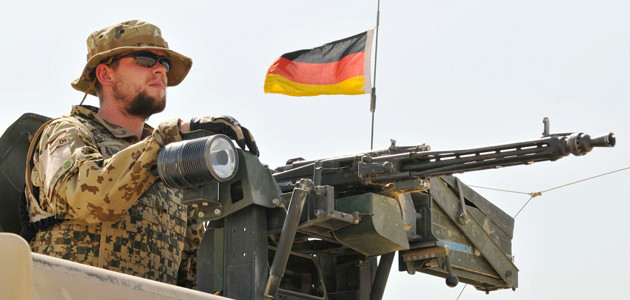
[[140, 105], [145, 106]]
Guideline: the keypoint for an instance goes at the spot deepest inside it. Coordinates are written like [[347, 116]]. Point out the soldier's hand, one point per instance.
[[228, 126]]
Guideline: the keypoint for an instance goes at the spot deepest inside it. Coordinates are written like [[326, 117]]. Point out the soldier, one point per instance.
[[91, 194]]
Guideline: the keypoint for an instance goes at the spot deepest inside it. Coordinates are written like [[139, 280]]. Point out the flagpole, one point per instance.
[[373, 94]]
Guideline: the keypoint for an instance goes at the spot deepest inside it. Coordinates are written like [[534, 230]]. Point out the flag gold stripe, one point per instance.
[[277, 84]]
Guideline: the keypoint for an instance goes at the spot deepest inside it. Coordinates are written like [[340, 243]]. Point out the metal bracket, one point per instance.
[[317, 173], [462, 216], [287, 236]]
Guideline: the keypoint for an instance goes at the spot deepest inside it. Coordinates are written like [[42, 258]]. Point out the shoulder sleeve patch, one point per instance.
[[57, 161], [60, 140]]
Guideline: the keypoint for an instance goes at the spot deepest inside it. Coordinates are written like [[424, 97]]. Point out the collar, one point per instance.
[[91, 112]]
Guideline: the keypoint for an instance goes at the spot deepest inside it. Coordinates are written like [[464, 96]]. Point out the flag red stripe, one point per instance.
[[327, 73]]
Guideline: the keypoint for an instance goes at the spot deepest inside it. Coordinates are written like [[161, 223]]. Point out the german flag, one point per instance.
[[338, 68]]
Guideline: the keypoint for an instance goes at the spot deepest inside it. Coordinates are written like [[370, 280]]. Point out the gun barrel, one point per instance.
[[436, 163], [580, 144], [605, 140], [382, 167]]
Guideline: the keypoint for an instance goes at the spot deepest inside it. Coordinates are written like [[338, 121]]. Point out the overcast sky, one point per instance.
[[452, 74]]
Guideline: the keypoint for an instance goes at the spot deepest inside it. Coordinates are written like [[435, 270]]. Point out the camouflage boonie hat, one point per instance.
[[134, 35]]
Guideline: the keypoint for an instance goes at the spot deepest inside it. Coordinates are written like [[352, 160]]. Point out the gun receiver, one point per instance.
[[418, 162]]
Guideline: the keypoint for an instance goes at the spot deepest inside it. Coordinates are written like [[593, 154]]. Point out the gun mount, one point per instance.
[[322, 223]]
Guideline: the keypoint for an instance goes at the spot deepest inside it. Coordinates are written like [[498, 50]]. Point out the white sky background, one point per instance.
[[452, 74]]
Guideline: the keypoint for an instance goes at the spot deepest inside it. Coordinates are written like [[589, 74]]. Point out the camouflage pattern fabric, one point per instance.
[[128, 36], [98, 178]]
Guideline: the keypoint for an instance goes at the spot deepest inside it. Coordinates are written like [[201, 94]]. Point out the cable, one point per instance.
[[462, 291], [519, 211], [596, 176], [536, 194], [499, 190]]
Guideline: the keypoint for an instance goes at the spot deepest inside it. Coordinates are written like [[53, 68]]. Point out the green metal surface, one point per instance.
[[474, 240], [252, 185], [502, 220], [381, 228], [210, 269]]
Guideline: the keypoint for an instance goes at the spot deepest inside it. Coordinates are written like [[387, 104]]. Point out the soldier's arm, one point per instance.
[[80, 184]]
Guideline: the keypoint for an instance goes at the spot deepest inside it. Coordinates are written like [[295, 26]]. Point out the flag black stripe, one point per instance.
[[330, 52]]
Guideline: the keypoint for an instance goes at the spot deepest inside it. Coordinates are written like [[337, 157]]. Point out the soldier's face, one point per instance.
[[142, 90]]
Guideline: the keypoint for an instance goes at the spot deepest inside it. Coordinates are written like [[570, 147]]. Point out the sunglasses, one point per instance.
[[147, 59]]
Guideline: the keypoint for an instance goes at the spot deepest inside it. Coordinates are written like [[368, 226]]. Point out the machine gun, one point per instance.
[[314, 229], [400, 164]]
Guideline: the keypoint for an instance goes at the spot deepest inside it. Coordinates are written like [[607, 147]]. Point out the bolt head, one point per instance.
[[320, 190]]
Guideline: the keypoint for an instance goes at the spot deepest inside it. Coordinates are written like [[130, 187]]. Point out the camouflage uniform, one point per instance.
[[97, 177]]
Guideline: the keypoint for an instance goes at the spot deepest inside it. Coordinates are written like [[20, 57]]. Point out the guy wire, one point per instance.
[[536, 194]]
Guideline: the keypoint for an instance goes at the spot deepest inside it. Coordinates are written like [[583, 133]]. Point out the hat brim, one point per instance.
[[180, 66]]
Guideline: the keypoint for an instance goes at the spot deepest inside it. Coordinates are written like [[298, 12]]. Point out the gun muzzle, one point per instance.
[[580, 143]]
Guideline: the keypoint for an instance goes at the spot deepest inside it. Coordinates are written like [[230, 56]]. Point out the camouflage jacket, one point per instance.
[[97, 177]]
